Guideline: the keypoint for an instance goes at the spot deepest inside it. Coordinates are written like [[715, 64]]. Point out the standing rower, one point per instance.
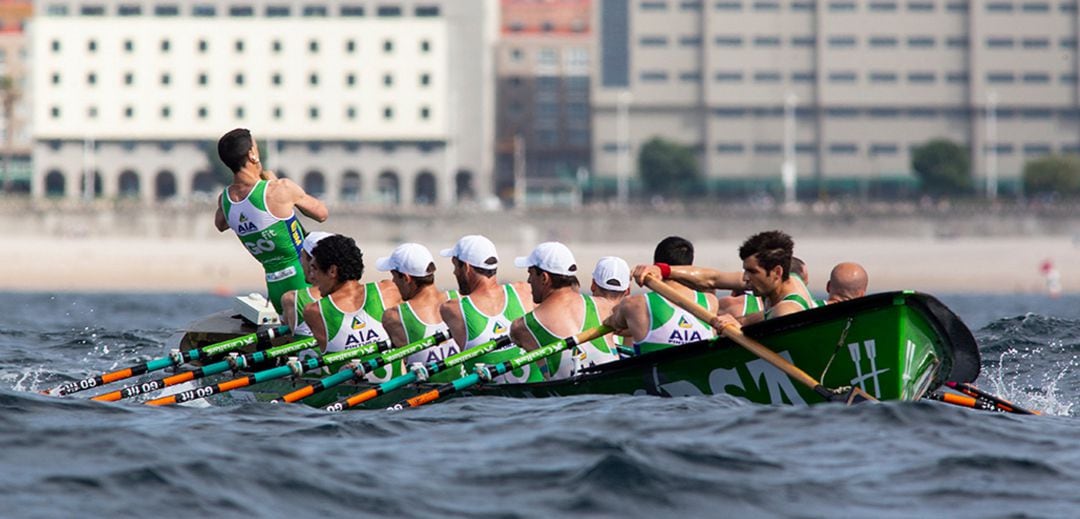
[[259, 208], [349, 313], [485, 308], [561, 311], [412, 269], [655, 323]]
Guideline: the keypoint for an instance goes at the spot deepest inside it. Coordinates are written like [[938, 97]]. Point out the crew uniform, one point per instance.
[[346, 330], [670, 325], [274, 242]]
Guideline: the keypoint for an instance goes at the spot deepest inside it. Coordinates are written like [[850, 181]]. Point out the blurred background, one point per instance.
[[583, 120]]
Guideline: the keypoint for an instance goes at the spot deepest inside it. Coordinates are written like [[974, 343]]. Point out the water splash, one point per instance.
[[1014, 378]]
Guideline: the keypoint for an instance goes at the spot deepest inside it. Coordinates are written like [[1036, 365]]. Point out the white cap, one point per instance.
[[612, 273], [408, 258], [312, 239], [474, 250], [550, 256]]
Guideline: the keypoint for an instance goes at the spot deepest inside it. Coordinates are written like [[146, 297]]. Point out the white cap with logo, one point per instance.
[[552, 257], [408, 258], [312, 239], [475, 250], [612, 273]]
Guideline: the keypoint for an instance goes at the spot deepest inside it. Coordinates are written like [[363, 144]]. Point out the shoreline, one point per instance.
[[218, 263]]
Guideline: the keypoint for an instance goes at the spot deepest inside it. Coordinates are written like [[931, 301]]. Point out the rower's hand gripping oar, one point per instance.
[[360, 368], [233, 362], [261, 339], [293, 367], [487, 373], [419, 373], [855, 394]]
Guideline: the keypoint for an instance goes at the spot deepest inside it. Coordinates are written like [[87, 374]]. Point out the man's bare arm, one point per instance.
[[219, 217], [451, 315], [391, 321]]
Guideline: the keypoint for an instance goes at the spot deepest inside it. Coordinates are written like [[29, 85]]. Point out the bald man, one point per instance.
[[847, 281]]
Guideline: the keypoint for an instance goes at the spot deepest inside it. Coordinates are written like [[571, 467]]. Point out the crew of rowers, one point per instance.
[[342, 312]]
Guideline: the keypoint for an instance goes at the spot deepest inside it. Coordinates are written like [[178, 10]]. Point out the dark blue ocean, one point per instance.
[[491, 457]]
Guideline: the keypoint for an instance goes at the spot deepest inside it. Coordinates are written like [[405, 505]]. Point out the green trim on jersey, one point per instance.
[[544, 336], [481, 328], [752, 304], [373, 307], [661, 312], [797, 298], [303, 298]]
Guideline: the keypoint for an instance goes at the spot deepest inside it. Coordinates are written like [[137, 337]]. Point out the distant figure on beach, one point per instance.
[[847, 281], [654, 323], [260, 209], [1053, 278]]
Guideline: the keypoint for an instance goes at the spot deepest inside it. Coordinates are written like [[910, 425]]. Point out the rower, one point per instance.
[[412, 269], [802, 277], [485, 309], [610, 285], [561, 311], [259, 208], [653, 322], [294, 301], [766, 271], [847, 281], [350, 313], [743, 302]]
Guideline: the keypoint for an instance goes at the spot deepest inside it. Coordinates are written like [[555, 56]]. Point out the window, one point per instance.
[[56, 78], [129, 10], [55, 112], [425, 46], [425, 113], [313, 79], [165, 112], [881, 148], [690, 41], [1036, 43], [276, 78], [56, 46], [1037, 148], [730, 148], [1000, 77], [1035, 7], [653, 41], [350, 46], [768, 148], [427, 11], [881, 7], [920, 7], [956, 77], [761, 5], [92, 10], [350, 113], [957, 42], [728, 41], [129, 78], [803, 77], [883, 41], [57, 10], [203, 112], [388, 11], [729, 76], [166, 79], [999, 7], [842, 77], [767, 76], [728, 6], [313, 46], [843, 148], [239, 112], [278, 112], [241, 10], [653, 76], [315, 10], [960, 6], [920, 42], [882, 77], [203, 46], [921, 77], [278, 11], [999, 42], [129, 112], [167, 10], [91, 45], [690, 77], [388, 80], [129, 46], [388, 113], [313, 113], [203, 79], [1036, 78], [239, 45], [767, 41], [239, 79], [614, 43], [203, 11], [388, 46], [425, 79], [91, 79], [653, 6], [803, 41], [803, 6], [165, 45], [350, 79], [841, 41], [352, 10], [842, 6]]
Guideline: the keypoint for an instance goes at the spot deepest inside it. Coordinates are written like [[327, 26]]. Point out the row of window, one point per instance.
[[873, 149], [350, 79], [278, 113], [846, 41], [850, 77], [276, 46], [424, 147], [242, 11], [873, 6]]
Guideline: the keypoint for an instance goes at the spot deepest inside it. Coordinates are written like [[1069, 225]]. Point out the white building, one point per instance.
[[358, 100]]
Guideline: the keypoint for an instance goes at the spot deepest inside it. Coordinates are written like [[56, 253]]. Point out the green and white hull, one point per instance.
[[895, 346]]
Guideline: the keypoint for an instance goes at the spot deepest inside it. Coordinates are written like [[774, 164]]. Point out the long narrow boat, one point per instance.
[[895, 346]]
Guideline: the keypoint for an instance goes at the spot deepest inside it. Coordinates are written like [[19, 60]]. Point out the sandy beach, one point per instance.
[[218, 263]]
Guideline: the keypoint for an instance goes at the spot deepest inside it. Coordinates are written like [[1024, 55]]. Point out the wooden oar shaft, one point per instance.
[[733, 333]]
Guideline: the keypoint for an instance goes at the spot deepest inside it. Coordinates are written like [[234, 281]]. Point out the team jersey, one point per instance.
[[481, 328], [567, 363], [752, 304], [417, 329], [797, 298], [670, 325], [274, 242], [303, 298], [346, 330]]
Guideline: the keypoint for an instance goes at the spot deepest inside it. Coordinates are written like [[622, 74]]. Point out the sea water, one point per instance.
[[596, 456]]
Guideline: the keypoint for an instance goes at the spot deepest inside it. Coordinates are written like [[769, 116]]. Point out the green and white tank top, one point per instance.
[[481, 328], [670, 325], [752, 304], [813, 303], [797, 298], [566, 363], [416, 329], [345, 330], [274, 242], [303, 298]]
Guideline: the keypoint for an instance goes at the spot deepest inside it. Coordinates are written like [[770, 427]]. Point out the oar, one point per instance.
[[232, 363], [962, 401], [261, 339], [362, 368], [996, 403], [852, 395], [419, 373], [487, 373], [296, 367]]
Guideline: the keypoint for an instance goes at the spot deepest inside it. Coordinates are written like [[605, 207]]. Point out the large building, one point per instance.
[[864, 81], [543, 121], [15, 139], [357, 100]]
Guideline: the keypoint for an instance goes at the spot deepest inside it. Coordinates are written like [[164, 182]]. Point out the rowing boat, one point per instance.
[[894, 346]]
